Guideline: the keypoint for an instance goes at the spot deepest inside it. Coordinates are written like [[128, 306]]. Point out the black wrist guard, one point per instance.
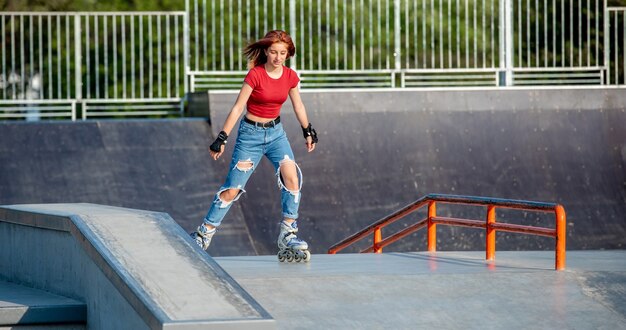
[[310, 131], [219, 142]]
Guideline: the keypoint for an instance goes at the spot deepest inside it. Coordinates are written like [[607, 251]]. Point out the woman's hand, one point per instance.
[[216, 155], [311, 137], [310, 145], [217, 147]]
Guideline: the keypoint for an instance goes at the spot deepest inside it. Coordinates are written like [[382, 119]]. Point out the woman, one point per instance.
[[265, 89]]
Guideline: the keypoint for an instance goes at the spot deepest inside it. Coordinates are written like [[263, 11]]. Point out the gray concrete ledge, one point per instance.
[[22, 305], [461, 99], [166, 280]]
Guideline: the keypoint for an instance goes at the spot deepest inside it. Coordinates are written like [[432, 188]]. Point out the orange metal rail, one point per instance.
[[490, 224]]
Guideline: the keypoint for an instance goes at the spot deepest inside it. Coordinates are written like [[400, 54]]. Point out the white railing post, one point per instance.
[[293, 31], [77, 58], [186, 51], [509, 42], [506, 42], [501, 42], [186, 42], [397, 35], [607, 43], [73, 105]]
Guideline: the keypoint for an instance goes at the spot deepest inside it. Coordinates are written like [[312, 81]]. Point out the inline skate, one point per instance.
[[290, 247], [203, 236]]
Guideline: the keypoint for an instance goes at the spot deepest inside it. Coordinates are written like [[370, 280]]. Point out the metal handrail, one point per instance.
[[490, 224]]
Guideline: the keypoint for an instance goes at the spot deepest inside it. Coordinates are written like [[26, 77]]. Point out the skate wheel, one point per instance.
[[281, 256], [307, 256], [297, 257], [290, 256]]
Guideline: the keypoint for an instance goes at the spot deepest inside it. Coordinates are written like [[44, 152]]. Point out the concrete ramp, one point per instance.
[[160, 165], [133, 269]]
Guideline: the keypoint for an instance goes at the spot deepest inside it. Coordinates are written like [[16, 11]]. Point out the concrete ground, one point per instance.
[[447, 290]]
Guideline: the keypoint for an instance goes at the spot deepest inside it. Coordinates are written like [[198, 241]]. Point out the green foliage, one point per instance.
[[91, 5]]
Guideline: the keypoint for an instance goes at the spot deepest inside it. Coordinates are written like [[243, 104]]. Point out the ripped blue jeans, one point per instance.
[[252, 143]]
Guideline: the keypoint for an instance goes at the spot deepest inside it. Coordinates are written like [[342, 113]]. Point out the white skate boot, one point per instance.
[[203, 236], [290, 247]]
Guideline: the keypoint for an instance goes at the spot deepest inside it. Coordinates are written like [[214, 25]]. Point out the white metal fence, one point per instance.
[[65, 60], [408, 43], [143, 63], [615, 56], [558, 42]]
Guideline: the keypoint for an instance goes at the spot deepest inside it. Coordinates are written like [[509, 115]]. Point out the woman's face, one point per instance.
[[277, 54]]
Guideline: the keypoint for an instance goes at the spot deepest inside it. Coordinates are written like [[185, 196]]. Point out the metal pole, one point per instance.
[[432, 227], [124, 72], [160, 58], [168, 63], [328, 15], [561, 225], [87, 59], [397, 33], [491, 233], [502, 40], [77, 59], [607, 43], [506, 42], [132, 56], [378, 237], [106, 58], [60, 59], [114, 59], [509, 42], [73, 104], [22, 64], [186, 46], [4, 55], [141, 58], [41, 73], [68, 47], [292, 27]]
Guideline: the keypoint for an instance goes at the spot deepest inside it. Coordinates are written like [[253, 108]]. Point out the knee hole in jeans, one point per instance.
[[245, 165], [289, 175], [229, 194]]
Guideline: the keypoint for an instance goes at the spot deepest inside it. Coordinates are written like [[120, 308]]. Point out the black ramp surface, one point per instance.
[[158, 165], [379, 151]]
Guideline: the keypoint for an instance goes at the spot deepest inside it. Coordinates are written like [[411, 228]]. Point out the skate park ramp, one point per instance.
[[159, 165], [379, 150], [92, 265]]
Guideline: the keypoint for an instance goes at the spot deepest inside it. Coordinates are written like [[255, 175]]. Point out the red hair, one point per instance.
[[255, 52]]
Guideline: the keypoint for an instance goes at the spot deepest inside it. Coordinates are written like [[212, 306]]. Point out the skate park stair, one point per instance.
[[132, 269], [20, 305]]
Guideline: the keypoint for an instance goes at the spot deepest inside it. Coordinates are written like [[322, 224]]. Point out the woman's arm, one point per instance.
[[300, 111], [234, 115], [237, 109]]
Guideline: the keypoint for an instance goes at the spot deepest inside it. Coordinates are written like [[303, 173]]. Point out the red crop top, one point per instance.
[[268, 94]]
